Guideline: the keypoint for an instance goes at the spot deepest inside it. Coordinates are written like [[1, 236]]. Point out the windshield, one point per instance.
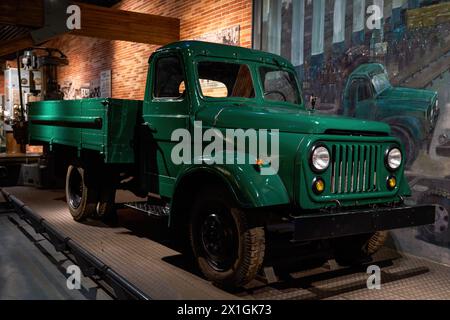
[[279, 85], [380, 82], [218, 79], [225, 80]]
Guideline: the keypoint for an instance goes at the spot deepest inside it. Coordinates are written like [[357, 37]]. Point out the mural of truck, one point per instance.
[[411, 113], [352, 86]]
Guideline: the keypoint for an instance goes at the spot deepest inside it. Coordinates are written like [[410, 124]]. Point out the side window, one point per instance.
[[279, 85], [225, 80], [213, 89], [169, 79], [353, 91], [364, 91]]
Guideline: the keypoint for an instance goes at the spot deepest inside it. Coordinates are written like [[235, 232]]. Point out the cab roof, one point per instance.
[[225, 51], [369, 69]]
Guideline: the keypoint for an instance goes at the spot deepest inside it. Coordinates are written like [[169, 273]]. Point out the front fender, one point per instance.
[[250, 188], [412, 124]]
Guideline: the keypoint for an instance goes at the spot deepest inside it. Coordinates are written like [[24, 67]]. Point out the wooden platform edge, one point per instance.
[[88, 263]]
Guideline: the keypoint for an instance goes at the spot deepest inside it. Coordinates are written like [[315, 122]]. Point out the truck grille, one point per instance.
[[354, 168]]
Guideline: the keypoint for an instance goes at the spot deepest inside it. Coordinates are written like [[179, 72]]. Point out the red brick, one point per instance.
[[128, 61]]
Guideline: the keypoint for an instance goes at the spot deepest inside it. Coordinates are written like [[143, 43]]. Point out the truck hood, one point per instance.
[[285, 119], [414, 98]]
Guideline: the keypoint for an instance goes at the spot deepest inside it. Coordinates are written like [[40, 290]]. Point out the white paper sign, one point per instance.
[[105, 84]]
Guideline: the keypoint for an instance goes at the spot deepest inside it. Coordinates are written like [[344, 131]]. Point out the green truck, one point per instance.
[[411, 113], [339, 182]]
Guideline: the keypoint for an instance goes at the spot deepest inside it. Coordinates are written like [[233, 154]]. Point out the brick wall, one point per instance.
[[128, 61]]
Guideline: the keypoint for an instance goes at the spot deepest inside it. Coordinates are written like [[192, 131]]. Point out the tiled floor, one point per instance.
[[26, 273], [402, 277]]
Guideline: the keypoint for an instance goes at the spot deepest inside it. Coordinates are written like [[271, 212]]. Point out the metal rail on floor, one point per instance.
[[88, 263], [5, 208]]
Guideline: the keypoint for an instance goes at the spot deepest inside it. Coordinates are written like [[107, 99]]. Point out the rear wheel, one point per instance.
[[80, 195], [228, 251], [354, 250]]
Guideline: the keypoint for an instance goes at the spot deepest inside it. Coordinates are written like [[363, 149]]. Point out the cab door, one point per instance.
[[365, 100], [166, 108], [350, 98]]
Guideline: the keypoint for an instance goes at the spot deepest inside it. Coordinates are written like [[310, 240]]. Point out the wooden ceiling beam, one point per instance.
[[24, 13], [97, 22], [14, 45], [113, 24]]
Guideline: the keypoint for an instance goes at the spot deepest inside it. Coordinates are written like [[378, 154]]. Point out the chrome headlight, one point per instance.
[[320, 158], [394, 158]]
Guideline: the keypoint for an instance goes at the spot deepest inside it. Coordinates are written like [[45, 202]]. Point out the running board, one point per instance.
[[160, 211]]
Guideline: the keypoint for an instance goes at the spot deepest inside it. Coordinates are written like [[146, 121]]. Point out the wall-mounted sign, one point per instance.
[[230, 36], [95, 88], [105, 84], [84, 93]]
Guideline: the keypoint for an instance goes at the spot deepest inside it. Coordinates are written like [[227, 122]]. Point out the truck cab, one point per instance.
[[223, 139], [411, 113]]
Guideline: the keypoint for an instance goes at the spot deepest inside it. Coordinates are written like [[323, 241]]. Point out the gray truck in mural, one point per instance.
[[411, 113], [366, 93]]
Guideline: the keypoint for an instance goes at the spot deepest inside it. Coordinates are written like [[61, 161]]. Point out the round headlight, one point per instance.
[[394, 159], [320, 158]]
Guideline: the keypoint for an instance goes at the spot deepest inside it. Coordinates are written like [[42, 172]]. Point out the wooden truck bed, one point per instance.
[[103, 125]]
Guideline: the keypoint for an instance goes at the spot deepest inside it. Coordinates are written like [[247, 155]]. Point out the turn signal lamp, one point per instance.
[[318, 185], [391, 183], [260, 162]]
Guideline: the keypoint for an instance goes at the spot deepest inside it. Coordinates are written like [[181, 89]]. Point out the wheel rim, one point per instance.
[[75, 188], [219, 240]]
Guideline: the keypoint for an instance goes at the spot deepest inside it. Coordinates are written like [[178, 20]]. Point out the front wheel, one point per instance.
[[354, 250], [80, 195], [411, 148], [228, 251]]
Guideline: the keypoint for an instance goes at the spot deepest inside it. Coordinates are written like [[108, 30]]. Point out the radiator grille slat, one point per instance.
[[361, 168], [354, 168]]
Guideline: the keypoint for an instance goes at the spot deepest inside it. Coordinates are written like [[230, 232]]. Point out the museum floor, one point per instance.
[[137, 250]]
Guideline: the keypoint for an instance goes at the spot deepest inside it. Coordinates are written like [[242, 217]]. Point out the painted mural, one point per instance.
[[384, 60]]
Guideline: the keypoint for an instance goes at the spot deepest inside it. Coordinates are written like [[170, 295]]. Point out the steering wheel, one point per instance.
[[275, 92]]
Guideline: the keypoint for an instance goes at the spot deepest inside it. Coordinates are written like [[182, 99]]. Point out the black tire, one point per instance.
[[376, 242], [354, 250], [411, 148], [81, 196], [228, 251]]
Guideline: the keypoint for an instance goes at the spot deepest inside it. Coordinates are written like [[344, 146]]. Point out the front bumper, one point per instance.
[[443, 151], [333, 225]]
